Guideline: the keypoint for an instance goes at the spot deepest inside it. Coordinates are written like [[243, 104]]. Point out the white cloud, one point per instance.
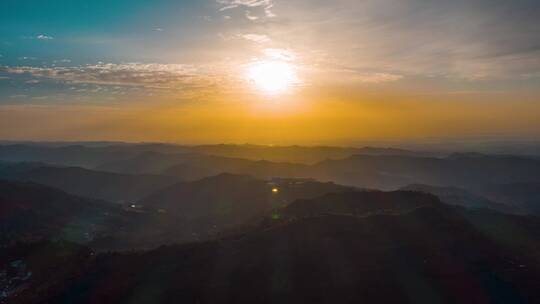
[[62, 61], [44, 37], [258, 38], [228, 4], [251, 17], [152, 75], [266, 5]]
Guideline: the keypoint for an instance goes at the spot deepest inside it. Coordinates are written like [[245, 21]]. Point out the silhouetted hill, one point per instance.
[[144, 163], [75, 155], [196, 166], [228, 199], [298, 154], [390, 172], [524, 196], [209, 166], [30, 211], [180, 213], [32, 270], [9, 170], [462, 197], [361, 203], [95, 184], [425, 253], [384, 168], [91, 155]]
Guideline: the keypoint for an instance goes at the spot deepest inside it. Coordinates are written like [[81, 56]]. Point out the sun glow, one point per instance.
[[272, 77]]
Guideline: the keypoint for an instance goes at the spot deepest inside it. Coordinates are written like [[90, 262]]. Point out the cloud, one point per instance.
[[258, 38], [62, 61], [228, 4], [464, 40], [44, 37], [281, 54], [153, 75], [251, 17], [266, 5], [378, 78]]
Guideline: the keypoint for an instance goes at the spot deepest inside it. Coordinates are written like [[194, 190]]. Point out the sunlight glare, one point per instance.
[[272, 77]]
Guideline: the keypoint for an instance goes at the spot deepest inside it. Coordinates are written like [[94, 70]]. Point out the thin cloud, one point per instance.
[[266, 5], [378, 78], [44, 37], [158, 76], [482, 41], [251, 17], [280, 54], [258, 38]]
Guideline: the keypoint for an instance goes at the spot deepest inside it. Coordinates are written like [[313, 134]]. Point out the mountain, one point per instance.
[[30, 211], [210, 165], [96, 154], [89, 183], [524, 196], [461, 197], [298, 154], [12, 169], [183, 212], [362, 203], [87, 155], [381, 168], [145, 163], [463, 170], [421, 252], [189, 166], [226, 200], [73, 155], [34, 269]]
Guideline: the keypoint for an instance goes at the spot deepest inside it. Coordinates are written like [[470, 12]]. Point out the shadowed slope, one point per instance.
[[428, 254]]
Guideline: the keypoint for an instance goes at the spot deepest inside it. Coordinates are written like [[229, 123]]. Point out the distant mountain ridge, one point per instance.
[[94, 155], [461, 197], [108, 186]]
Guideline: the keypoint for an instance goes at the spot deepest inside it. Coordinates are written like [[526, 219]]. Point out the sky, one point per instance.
[[269, 71]]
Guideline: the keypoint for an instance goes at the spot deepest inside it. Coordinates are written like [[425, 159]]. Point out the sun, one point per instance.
[[272, 77]]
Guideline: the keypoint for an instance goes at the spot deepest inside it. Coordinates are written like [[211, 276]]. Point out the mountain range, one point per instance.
[[159, 223], [410, 250]]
